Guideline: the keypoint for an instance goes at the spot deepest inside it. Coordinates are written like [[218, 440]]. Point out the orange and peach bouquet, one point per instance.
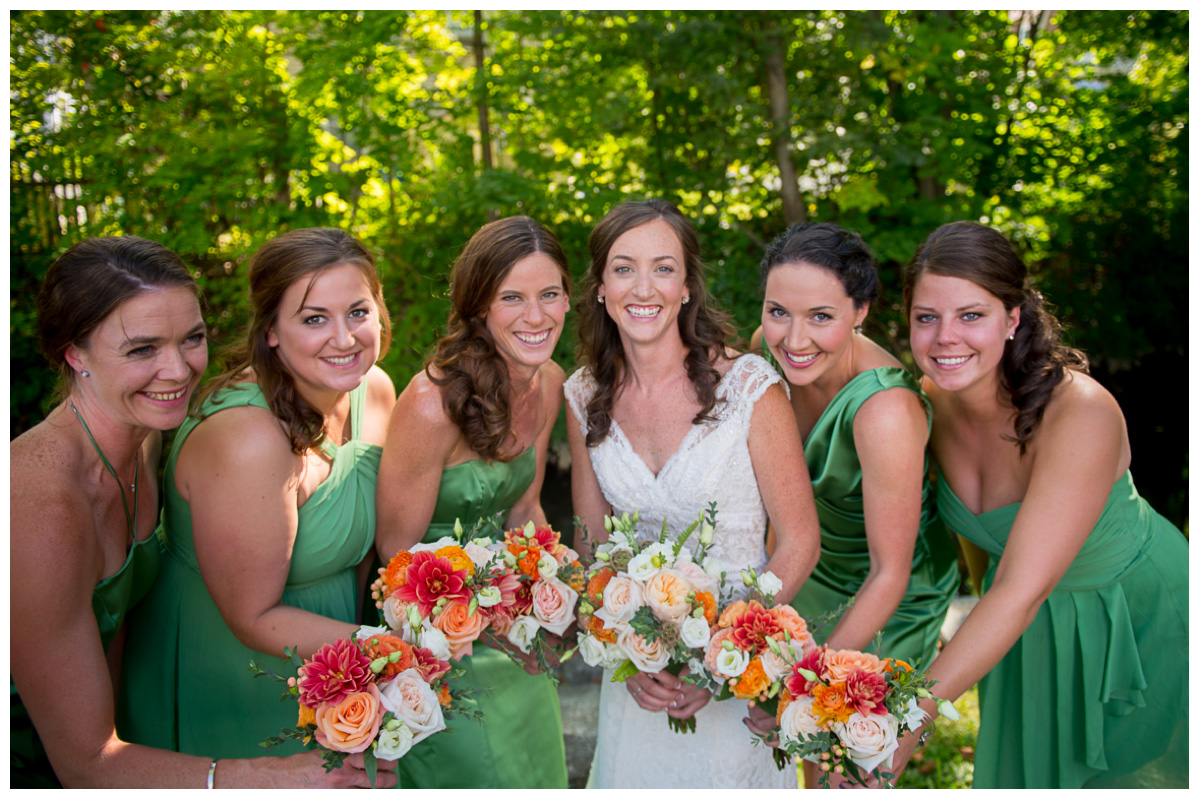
[[372, 693]]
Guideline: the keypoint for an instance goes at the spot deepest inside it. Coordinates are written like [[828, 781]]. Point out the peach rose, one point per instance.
[[622, 599], [774, 667], [460, 626], [840, 663], [350, 726], [714, 650], [794, 624], [646, 656], [667, 595], [554, 605]]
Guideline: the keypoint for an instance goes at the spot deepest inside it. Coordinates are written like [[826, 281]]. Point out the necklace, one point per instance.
[[130, 520]]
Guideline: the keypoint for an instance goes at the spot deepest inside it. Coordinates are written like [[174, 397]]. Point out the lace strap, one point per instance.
[[747, 381], [579, 390]]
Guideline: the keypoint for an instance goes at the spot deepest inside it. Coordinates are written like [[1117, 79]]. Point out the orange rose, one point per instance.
[[308, 716], [710, 607], [461, 627], [731, 613], [751, 683], [829, 703], [350, 726], [595, 587], [840, 663], [458, 557], [396, 574], [795, 625]]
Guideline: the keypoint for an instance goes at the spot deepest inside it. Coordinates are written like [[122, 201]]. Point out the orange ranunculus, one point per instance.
[[527, 558], [396, 574], [785, 700], [308, 716], [894, 665], [350, 726], [577, 580], [595, 587], [596, 627], [840, 663], [710, 607], [751, 683], [829, 703], [461, 627], [457, 556], [731, 613], [443, 695], [382, 645]]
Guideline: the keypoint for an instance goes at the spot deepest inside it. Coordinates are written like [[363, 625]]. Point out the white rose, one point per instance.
[[646, 656], [547, 566], [592, 650], [769, 583], [641, 567], [434, 641], [523, 631], [445, 541], [395, 739], [732, 662], [869, 740], [478, 554], [489, 596], [365, 632], [694, 632], [797, 720], [914, 715], [622, 598], [414, 703]]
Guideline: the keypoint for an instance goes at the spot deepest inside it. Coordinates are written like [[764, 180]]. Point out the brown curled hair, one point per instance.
[[1035, 360], [297, 255], [704, 328], [470, 371]]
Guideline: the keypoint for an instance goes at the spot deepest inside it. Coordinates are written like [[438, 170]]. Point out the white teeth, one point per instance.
[[341, 362], [537, 338], [951, 362], [800, 359], [645, 313], [165, 396]]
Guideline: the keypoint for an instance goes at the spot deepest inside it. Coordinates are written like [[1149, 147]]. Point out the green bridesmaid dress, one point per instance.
[[519, 744], [1095, 692], [912, 632], [185, 684]]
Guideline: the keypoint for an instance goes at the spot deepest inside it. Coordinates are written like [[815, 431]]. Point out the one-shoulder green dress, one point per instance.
[[1095, 693], [185, 684], [520, 742], [912, 632]]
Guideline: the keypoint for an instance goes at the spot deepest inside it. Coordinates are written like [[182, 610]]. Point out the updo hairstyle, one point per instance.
[[830, 247]]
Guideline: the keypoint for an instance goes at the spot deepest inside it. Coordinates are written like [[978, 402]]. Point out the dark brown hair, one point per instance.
[[88, 282], [472, 374], [293, 256], [1035, 360], [705, 329], [830, 247]]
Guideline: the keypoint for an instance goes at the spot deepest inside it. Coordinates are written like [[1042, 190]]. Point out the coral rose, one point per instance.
[[829, 703], [554, 605], [667, 595], [461, 627], [840, 663], [865, 692], [752, 682], [350, 726], [714, 649], [731, 613], [794, 624]]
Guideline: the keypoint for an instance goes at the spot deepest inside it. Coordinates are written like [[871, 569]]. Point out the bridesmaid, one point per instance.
[[482, 412], [1080, 641], [119, 320], [865, 424], [270, 504]]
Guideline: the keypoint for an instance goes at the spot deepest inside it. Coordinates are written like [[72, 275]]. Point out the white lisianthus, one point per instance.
[[947, 710], [715, 566], [706, 533], [395, 739], [914, 715], [592, 650], [869, 739], [523, 631], [365, 632], [664, 552], [797, 720], [547, 566], [696, 667], [769, 583], [694, 632], [489, 596], [732, 662], [445, 541], [641, 567], [434, 641]]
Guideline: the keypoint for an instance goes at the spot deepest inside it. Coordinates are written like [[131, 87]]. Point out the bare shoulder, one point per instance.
[[1079, 403], [892, 409], [50, 514], [380, 389], [241, 434], [872, 355], [421, 404], [553, 377]]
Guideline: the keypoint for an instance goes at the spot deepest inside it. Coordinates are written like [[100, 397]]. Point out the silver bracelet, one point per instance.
[[925, 734], [212, 771]]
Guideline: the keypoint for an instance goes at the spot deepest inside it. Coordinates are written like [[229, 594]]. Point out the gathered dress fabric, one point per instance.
[[635, 748], [837, 480], [1094, 694], [113, 597], [185, 683], [519, 744]]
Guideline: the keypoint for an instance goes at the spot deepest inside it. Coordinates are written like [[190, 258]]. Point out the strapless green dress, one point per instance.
[[1095, 693], [519, 745], [912, 632], [185, 684]]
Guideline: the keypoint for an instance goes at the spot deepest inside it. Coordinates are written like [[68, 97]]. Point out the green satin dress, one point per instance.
[[519, 745], [1095, 692], [912, 632], [185, 684], [112, 599]]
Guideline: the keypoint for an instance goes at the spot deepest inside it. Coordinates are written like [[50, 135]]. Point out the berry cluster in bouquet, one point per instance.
[[845, 710], [372, 693], [649, 607]]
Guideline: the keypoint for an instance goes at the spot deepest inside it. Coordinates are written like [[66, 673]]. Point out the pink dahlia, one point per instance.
[[430, 666], [334, 671], [813, 661], [431, 578], [865, 692], [753, 627]]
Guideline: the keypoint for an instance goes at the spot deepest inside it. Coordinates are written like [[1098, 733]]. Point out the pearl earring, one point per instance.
[[858, 329], [85, 373], [1011, 337], [600, 299], [686, 299]]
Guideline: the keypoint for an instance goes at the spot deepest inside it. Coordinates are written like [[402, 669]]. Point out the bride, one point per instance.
[[663, 419]]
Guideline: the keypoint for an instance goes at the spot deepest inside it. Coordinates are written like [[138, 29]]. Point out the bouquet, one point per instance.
[[649, 607], [372, 693], [845, 710]]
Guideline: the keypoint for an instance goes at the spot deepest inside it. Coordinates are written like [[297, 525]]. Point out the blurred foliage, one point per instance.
[[214, 131]]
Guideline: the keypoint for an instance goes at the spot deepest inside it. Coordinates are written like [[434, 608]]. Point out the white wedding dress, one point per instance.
[[635, 748]]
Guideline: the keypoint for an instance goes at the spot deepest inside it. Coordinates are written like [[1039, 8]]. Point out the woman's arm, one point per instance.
[[586, 496], [782, 474], [890, 430]]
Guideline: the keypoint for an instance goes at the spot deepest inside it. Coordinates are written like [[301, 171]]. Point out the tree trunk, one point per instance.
[[485, 136], [793, 204]]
